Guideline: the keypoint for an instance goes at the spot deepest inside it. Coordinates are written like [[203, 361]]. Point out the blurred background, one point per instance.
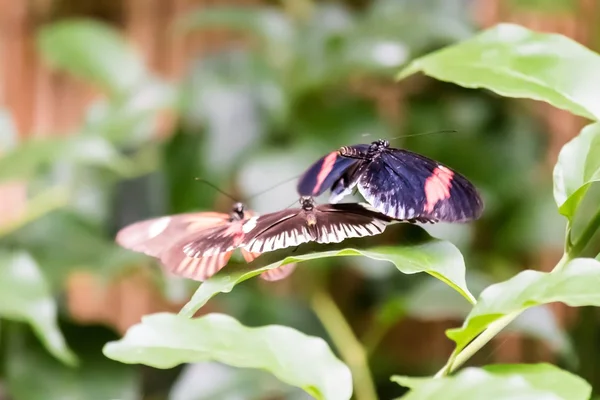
[[110, 109]]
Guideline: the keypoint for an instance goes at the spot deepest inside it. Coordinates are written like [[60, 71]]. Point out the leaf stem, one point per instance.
[[582, 241], [492, 330], [350, 349]]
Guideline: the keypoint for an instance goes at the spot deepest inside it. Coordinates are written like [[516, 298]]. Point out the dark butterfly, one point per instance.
[[399, 183], [166, 237], [326, 223]]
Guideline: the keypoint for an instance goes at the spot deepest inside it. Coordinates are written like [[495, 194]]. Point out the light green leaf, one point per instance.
[[229, 383], [546, 377], [25, 296], [438, 258], [577, 167], [575, 285], [23, 161], [94, 51], [165, 340], [516, 62], [31, 374], [500, 382]]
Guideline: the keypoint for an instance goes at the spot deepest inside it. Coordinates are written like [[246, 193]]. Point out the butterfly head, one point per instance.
[[238, 212], [378, 145], [307, 203]]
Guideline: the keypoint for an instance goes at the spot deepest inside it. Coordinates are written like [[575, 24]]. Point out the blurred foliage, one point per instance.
[[255, 114]]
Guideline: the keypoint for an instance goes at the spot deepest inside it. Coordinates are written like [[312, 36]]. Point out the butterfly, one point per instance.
[[399, 183], [326, 223], [166, 237]]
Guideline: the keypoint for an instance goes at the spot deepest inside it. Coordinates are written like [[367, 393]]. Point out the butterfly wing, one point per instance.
[[217, 240], [279, 273], [347, 182], [153, 236], [198, 269], [275, 231], [323, 173], [337, 222], [329, 223], [165, 237], [405, 185]]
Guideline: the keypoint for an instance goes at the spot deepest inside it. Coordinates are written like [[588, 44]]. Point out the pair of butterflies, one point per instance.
[[399, 185]]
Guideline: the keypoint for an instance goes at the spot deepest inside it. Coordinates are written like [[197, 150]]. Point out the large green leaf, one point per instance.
[[577, 167], [546, 377], [500, 382], [165, 340], [575, 285], [25, 296], [516, 62], [438, 258], [24, 160], [232, 383], [94, 51], [31, 374]]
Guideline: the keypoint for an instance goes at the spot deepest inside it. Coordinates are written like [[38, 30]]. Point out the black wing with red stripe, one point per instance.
[[401, 184], [406, 185], [324, 173]]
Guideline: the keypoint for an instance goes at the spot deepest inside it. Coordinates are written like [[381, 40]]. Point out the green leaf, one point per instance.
[[95, 51], [23, 161], [31, 374], [516, 62], [233, 383], [577, 167], [546, 377], [25, 296], [500, 382], [165, 340], [439, 258], [575, 285]]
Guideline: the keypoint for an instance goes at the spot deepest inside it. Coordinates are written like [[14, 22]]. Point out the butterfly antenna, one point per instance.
[[294, 202], [425, 133], [217, 189], [273, 187]]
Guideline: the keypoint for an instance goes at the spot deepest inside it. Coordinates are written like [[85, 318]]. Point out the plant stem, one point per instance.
[[587, 234], [346, 342]]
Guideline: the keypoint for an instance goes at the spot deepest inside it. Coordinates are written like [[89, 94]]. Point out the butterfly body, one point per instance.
[[399, 183], [325, 223]]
